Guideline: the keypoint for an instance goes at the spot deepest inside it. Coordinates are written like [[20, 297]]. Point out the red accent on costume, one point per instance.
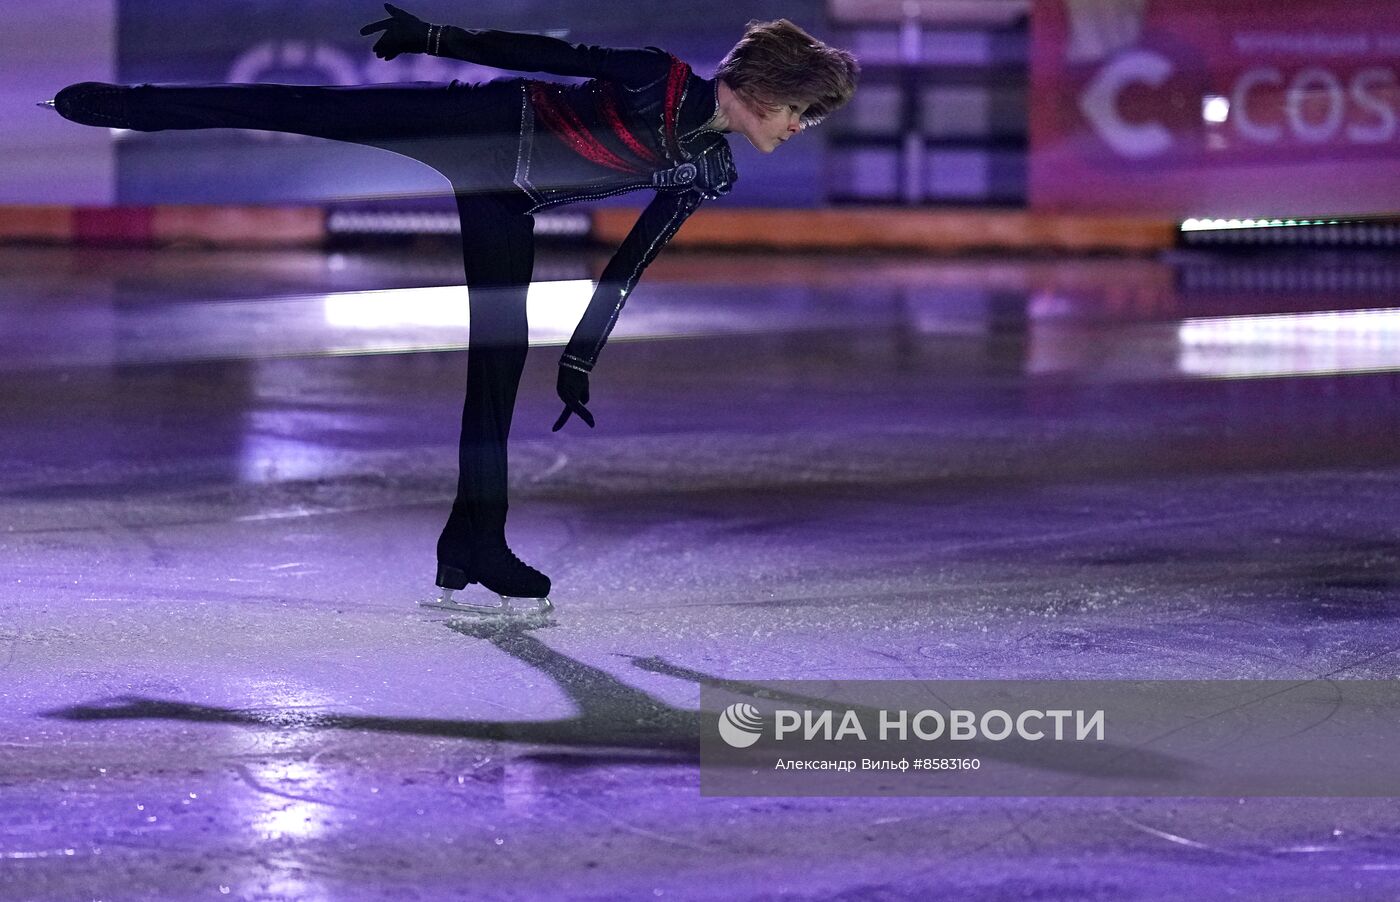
[[675, 88], [556, 116], [607, 105], [561, 120]]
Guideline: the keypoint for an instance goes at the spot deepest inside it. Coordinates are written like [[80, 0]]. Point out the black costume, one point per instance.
[[509, 147]]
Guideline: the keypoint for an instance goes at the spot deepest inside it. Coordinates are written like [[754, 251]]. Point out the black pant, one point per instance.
[[469, 133]]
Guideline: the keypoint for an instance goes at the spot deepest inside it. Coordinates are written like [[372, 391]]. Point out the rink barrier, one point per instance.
[[839, 229], [929, 230], [161, 226]]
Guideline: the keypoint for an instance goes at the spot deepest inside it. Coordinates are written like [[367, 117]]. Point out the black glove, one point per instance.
[[573, 391], [403, 33]]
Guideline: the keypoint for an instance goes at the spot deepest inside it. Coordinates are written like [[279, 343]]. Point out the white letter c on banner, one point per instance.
[[1100, 104]]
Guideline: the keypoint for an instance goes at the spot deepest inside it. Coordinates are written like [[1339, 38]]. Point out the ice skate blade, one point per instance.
[[445, 602], [453, 606]]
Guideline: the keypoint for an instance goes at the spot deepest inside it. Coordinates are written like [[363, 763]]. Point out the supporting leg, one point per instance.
[[498, 250]]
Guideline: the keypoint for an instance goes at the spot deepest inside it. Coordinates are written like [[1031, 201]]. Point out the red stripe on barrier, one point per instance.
[[113, 225]]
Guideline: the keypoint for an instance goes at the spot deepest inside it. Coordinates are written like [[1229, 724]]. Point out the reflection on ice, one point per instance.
[[554, 308], [1330, 341], [284, 807], [290, 800]]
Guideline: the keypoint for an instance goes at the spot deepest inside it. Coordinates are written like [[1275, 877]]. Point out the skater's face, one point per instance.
[[769, 125], [780, 124]]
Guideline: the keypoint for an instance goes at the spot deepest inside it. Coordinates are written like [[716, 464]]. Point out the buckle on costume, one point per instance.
[[684, 174]]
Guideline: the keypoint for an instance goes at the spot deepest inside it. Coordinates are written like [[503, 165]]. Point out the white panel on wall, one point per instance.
[[875, 45], [958, 174], [956, 111], [44, 45], [875, 110], [866, 172], [957, 48]]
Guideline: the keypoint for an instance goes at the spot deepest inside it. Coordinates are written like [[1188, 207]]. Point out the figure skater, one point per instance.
[[510, 147]]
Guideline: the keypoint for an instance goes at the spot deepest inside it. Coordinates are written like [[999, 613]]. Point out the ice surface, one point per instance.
[[216, 681]]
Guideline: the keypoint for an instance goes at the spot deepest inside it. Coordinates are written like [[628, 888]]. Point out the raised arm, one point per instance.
[[658, 222], [406, 33]]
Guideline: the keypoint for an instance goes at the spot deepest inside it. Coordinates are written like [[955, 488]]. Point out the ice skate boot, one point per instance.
[[454, 562], [522, 589], [498, 569]]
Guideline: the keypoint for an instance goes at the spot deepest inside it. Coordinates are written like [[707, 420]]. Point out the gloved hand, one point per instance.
[[573, 391], [403, 33]]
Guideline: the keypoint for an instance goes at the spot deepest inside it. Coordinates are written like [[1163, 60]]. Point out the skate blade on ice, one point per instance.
[[506, 608]]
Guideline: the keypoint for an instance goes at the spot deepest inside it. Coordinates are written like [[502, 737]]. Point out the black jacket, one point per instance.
[[607, 136]]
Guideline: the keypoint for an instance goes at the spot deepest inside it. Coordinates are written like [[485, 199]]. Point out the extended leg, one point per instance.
[[467, 132], [349, 112]]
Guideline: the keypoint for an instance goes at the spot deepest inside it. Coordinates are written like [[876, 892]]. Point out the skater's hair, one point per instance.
[[777, 63]]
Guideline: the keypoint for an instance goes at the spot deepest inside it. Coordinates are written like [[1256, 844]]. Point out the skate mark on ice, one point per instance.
[[247, 777], [561, 460], [642, 831], [1115, 527], [1189, 843]]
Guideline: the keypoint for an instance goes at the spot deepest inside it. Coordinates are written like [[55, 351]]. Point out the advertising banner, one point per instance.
[[1249, 109]]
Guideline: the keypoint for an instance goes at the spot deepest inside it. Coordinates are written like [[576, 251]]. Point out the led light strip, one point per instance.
[[389, 222], [1368, 232], [1208, 225]]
